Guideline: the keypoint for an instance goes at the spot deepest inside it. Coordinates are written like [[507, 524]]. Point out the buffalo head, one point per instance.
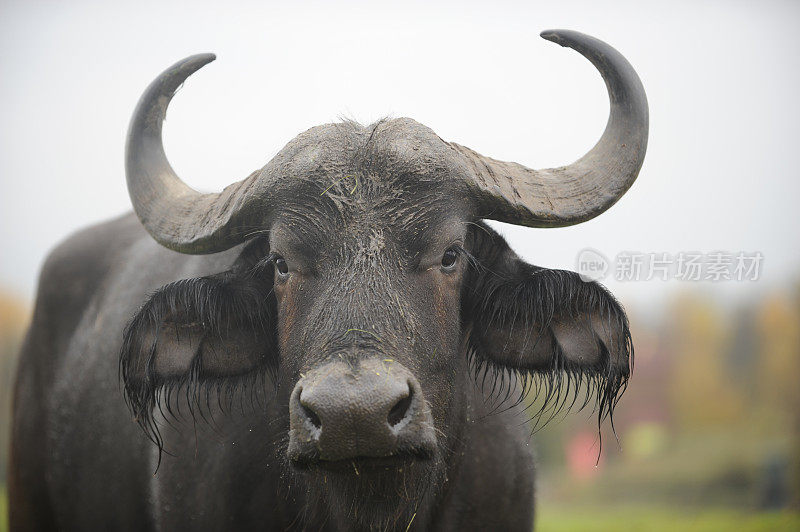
[[365, 286]]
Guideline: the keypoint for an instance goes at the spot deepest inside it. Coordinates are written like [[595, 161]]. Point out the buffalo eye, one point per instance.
[[281, 266], [449, 259]]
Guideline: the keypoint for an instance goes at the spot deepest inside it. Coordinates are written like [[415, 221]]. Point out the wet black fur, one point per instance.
[[95, 471]]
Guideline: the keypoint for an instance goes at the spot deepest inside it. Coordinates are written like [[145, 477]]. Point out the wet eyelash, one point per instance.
[[471, 260], [264, 265]]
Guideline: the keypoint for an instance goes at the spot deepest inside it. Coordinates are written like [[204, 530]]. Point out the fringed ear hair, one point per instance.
[[543, 332], [209, 336]]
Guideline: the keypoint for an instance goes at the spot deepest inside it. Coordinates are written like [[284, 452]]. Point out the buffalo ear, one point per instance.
[[173, 346], [214, 329], [167, 349], [537, 321]]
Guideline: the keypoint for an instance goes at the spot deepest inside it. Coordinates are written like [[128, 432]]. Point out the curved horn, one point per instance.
[[177, 216], [558, 197]]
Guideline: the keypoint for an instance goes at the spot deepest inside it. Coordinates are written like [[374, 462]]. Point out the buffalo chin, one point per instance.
[[365, 492]]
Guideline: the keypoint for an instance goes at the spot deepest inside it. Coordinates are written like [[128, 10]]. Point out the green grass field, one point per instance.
[[633, 518], [3, 510], [658, 519]]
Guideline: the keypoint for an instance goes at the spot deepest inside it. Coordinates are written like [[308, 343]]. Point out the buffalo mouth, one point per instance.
[[364, 464]]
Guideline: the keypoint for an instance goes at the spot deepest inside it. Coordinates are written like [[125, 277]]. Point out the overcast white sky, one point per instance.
[[722, 80]]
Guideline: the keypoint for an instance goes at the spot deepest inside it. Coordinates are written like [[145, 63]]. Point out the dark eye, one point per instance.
[[449, 259], [281, 266]]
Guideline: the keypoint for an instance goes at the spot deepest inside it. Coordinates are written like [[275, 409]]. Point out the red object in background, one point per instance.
[[583, 458]]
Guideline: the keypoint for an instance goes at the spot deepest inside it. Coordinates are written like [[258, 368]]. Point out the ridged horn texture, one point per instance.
[[558, 197], [177, 216]]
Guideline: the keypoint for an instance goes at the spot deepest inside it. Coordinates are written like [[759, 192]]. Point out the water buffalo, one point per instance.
[[336, 342]]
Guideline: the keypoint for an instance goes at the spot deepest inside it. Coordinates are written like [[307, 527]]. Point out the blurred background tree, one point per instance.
[[13, 319], [711, 418]]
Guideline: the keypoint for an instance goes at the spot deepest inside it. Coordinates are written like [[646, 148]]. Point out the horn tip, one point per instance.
[[200, 60], [193, 63], [558, 36]]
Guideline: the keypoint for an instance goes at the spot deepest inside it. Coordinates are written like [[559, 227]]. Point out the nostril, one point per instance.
[[399, 411], [307, 411], [311, 415]]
